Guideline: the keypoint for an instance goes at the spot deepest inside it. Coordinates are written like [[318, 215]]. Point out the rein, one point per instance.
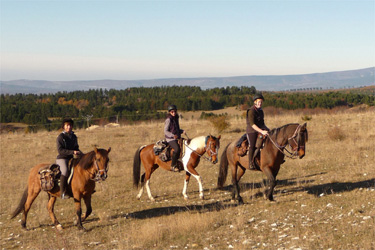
[[292, 155]]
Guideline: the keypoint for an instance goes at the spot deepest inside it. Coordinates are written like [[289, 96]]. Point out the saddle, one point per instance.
[[49, 176], [243, 145], [163, 150]]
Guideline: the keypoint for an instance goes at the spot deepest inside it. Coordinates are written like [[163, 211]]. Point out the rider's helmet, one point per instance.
[[67, 120], [258, 96], [172, 107]]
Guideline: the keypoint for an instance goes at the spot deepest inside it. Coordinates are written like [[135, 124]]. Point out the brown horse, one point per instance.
[[192, 154], [91, 167], [271, 157]]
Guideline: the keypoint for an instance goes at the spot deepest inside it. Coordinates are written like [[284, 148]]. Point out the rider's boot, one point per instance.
[[174, 167], [251, 160], [63, 193]]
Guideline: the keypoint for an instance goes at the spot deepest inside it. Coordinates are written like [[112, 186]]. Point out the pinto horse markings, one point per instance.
[[193, 152], [90, 168], [271, 157]]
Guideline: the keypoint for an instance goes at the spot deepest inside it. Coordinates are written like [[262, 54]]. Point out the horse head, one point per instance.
[[212, 147], [298, 140], [101, 163]]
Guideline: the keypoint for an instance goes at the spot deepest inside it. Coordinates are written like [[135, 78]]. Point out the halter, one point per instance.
[[294, 154]]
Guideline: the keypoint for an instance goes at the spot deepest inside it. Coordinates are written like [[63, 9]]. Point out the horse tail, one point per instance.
[[21, 205], [223, 172], [137, 167]]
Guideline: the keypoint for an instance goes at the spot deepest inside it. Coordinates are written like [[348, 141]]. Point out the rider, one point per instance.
[[67, 147], [255, 124], [172, 133]]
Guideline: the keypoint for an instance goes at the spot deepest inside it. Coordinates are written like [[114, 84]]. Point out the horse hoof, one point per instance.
[[186, 197], [201, 197]]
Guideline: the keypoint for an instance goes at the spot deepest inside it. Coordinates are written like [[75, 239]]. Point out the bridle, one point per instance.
[[295, 149], [98, 173], [207, 149]]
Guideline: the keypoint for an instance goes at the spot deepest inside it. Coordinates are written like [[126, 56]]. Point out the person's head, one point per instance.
[[258, 100], [67, 125], [172, 109]]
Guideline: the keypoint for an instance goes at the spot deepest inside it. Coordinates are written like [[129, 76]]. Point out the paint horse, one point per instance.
[[271, 157], [91, 167], [193, 152]]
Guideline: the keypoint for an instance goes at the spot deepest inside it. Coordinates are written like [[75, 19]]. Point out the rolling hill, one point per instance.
[[335, 80]]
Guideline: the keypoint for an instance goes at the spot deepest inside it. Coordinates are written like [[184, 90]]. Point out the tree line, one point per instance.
[[134, 104]]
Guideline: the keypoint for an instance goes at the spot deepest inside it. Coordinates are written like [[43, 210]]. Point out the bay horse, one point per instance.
[[271, 157], [190, 160], [91, 167]]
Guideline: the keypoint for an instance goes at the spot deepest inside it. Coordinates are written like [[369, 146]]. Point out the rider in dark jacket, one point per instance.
[[172, 133], [67, 146], [255, 124]]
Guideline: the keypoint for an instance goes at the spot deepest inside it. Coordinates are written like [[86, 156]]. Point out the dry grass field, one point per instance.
[[323, 201]]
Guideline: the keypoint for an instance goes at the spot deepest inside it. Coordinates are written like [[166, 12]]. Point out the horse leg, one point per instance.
[[271, 183], [240, 173], [77, 203], [186, 183], [32, 193], [194, 173], [142, 187], [236, 187], [149, 190], [51, 208], [87, 200]]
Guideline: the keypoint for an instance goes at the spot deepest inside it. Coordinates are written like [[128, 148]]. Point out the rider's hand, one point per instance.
[[264, 132], [175, 137]]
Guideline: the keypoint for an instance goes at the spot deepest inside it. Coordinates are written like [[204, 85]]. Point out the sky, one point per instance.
[[66, 40]]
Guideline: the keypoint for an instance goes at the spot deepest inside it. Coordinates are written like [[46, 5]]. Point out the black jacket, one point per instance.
[[66, 145]]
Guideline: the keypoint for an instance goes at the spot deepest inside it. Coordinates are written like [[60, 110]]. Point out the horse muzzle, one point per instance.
[[301, 153]]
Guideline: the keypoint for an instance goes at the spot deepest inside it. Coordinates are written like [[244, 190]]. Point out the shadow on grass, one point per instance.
[[280, 183], [339, 187], [162, 211]]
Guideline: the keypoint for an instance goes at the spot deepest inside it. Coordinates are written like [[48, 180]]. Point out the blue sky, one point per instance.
[[128, 40]]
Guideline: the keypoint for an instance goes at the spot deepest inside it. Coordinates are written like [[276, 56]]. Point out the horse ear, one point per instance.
[[96, 150], [109, 150], [219, 137]]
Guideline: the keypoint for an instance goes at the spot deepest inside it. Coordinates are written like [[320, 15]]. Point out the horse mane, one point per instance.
[[275, 131], [86, 160]]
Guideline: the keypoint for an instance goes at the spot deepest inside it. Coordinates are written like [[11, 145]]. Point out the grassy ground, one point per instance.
[[324, 201]]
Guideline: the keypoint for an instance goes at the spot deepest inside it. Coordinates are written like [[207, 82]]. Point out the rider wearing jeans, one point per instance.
[[172, 133], [67, 146], [255, 124]]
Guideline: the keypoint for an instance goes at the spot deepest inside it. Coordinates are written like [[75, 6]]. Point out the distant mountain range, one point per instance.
[[336, 80]]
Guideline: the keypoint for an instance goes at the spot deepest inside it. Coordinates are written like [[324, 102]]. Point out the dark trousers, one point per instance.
[[252, 137], [176, 152]]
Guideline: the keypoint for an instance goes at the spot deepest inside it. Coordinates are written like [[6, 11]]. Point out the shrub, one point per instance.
[[220, 123], [306, 118], [336, 134]]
